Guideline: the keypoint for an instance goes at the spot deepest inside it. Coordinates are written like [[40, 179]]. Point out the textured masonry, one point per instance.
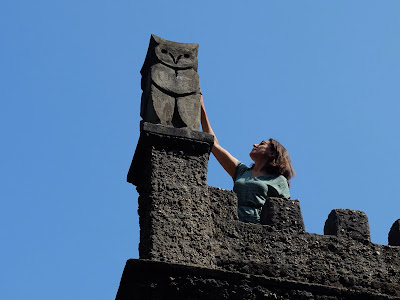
[[348, 223], [185, 221]]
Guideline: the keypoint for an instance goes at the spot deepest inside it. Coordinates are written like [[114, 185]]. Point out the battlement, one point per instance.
[[185, 221], [189, 226], [343, 258]]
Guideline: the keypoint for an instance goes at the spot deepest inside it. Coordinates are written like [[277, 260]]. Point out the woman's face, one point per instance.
[[261, 150]]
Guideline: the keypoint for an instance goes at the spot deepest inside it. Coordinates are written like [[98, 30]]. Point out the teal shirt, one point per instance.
[[253, 191]]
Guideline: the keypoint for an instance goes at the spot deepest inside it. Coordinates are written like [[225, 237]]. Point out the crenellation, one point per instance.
[[282, 213], [348, 223], [324, 259], [209, 233]]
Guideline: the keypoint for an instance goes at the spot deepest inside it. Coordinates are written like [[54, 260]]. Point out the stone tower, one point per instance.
[[192, 245]]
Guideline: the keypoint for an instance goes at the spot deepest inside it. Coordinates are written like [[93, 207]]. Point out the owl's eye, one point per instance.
[[164, 51], [186, 55]]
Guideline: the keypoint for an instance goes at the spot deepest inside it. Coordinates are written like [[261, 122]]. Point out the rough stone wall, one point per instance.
[[301, 256], [348, 223], [170, 169], [144, 279], [183, 220]]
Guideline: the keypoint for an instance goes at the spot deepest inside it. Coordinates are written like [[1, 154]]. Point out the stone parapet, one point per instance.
[[282, 214], [280, 252]]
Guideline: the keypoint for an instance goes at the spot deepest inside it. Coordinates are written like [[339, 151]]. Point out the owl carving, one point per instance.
[[170, 84]]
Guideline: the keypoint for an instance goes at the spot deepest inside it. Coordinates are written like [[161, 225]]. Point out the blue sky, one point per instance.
[[322, 77]]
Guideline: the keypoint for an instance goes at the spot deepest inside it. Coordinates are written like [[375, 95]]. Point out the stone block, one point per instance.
[[169, 169], [171, 85], [162, 138], [348, 223], [282, 213], [394, 234]]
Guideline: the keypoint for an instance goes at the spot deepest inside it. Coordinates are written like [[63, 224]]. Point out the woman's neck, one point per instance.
[[258, 169]]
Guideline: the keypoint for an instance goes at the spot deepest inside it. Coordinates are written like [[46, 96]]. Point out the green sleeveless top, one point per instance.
[[253, 191]]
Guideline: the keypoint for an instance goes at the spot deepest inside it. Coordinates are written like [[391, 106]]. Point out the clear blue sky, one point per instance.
[[322, 77]]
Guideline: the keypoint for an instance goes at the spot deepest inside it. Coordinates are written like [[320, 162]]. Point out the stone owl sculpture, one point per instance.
[[170, 84]]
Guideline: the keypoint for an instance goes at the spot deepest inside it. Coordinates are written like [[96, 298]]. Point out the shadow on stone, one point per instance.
[[394, 234]]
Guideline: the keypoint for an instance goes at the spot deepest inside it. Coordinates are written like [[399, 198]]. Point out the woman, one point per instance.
[[268, 177]]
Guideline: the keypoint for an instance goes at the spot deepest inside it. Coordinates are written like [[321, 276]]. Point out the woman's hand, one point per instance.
[[205, 123]]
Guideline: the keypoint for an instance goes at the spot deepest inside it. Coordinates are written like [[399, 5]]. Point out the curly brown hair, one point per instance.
[[280, 164]]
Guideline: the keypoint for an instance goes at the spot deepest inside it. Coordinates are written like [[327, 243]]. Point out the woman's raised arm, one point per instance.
[[227, 161]]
